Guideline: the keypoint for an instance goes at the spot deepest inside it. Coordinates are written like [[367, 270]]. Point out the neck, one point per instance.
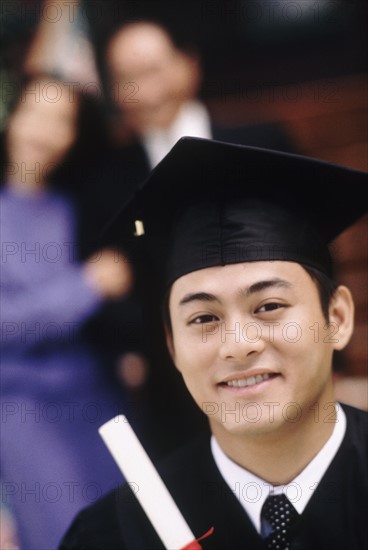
[[278, 457]]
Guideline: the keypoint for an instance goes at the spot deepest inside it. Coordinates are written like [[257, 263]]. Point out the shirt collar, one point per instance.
[[192, 120], [252, 491]]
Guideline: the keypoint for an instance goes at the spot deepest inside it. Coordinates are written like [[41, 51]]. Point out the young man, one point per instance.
[[239, 236]]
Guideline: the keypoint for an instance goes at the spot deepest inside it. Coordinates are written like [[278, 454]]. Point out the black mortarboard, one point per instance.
[[210, 203]]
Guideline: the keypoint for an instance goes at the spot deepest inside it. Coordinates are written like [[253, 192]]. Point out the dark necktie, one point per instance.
[[277, 516]]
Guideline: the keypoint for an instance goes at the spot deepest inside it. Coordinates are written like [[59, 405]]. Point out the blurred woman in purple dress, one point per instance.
[[55, 388]]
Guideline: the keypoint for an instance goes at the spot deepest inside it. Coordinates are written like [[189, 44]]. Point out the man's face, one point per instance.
[[252, 345], [150, 78]]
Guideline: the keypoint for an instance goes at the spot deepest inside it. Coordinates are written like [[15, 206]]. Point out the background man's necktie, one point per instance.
[[277, 516]]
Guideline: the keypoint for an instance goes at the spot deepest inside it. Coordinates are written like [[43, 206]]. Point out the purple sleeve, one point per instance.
[[59, 306]]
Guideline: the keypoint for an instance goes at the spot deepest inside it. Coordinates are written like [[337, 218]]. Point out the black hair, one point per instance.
[[90, 124], [179, 24], [326, 287]]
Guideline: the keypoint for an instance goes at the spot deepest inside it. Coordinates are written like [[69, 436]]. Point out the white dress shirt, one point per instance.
[[192, 120], [252, 491]]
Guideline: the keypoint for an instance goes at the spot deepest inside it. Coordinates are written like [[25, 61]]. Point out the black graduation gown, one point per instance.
[[335, 517]]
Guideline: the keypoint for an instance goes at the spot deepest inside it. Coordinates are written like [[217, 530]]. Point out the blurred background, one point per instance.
[[300, 65], [288, 74]]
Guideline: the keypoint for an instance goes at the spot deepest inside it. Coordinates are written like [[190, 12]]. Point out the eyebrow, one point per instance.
[[198, 296], [263, 285], [252, 289]]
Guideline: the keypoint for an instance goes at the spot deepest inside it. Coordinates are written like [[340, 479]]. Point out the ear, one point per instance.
[[341, 313], [169, 342]]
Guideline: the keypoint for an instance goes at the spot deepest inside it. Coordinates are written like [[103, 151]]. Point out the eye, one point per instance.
[[271, 306], [203, 319]]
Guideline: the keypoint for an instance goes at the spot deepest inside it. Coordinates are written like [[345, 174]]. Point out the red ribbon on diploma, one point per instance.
[[194, 545]]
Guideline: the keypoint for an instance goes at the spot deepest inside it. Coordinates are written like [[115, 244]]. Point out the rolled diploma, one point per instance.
[[152, 493]]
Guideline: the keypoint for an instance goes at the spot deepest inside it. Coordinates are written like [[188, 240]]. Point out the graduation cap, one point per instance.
[[210, 203]]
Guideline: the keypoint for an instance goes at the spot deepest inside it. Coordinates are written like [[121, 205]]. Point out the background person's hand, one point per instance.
[[110, 273]]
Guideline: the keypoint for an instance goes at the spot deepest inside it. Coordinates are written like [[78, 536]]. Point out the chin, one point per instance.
[[254, 426]]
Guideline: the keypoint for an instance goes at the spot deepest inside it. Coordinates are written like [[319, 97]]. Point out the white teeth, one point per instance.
[[251, 381]]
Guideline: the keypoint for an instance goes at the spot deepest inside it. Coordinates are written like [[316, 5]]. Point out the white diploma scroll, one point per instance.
[[151, 492]]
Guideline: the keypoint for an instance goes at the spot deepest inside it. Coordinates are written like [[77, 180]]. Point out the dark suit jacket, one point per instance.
[[335, 517]]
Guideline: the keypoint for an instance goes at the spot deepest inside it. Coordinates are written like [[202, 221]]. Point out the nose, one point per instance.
[[241, 340]]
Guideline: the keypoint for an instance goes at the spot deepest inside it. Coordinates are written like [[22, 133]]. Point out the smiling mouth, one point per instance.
[[251, 381]]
